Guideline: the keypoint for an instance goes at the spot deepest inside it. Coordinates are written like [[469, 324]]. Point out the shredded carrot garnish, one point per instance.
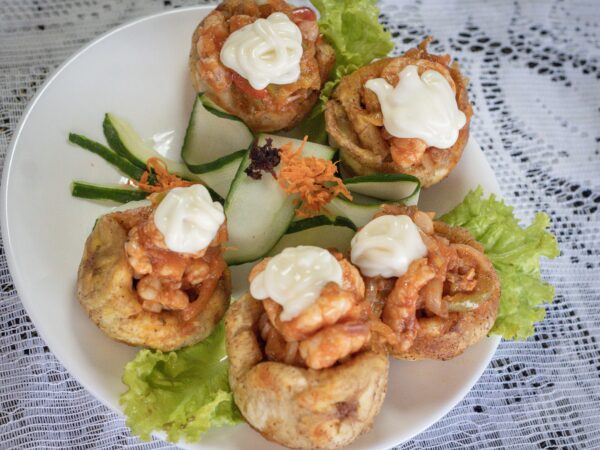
[[164, 179], [313, 179]]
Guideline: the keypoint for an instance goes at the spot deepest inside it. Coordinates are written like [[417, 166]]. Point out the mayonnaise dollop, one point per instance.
[[295, 277], [265, 51], [188, 219], [420, 107], [386, 246]]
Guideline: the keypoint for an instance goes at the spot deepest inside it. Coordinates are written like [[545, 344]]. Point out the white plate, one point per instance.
[[139, 71]]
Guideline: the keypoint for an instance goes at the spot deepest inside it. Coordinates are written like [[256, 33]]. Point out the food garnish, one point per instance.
[[515, 252], [263, 158], [184, 393], [313, 179], [354, 31], [163, 179]]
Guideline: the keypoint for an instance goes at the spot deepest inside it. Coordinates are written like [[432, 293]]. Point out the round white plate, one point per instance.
[[139, 71]]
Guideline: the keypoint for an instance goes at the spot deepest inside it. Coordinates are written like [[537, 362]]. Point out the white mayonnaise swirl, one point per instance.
[[265, 51], [420, 107], [386, 246], [295, 277], [188, 219]]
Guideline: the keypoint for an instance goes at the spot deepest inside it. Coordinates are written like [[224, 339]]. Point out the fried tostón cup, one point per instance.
[[446, 301], [276, 107], [105, 289], [354, 121], [294, 406]]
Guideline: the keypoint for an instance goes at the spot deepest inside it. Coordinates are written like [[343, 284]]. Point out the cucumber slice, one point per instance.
[[219, 179], [123, 164], [320, 231], [386, 186], [215, 109], [361, 210], [116, 193], [124, 140], [258, 211], [212, 134], [359, 213]]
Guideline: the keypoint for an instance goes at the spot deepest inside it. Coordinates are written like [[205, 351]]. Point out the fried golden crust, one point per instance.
[[363, 151], [461, 330], [297, 407], [257, 114], [105, 290]]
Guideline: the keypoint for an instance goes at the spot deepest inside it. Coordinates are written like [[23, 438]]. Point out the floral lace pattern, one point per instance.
[[535, 71]]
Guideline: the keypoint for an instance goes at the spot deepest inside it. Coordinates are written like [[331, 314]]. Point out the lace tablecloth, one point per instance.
[[535, 73]]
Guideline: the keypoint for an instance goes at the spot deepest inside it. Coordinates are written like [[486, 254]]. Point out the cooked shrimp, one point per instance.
[[150, 289], [167, 279], [407, 152], [330, 345], [336, 325], [212, 36], [276, 347], [400, 310], [207, 287], [196, 271], [333, 304], [136, 255]]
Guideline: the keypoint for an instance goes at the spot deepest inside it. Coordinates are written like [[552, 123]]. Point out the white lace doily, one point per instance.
[[535, 72]]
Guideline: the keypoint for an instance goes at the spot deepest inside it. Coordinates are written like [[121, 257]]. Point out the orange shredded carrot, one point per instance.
[[164, 179], [313, 179]]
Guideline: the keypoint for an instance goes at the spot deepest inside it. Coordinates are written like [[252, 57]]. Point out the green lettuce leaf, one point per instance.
[[184, 393], [515, 253], [352, 27]]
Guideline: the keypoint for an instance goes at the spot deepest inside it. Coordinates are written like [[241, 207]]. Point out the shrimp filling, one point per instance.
[[168, 280], [399, 119], [332, 328], [227, 21], [430, 295]]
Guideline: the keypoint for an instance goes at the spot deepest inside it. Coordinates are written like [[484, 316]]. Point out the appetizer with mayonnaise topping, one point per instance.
[[155, 276], [307, 368], [431, 283], [409, 114], [263, 61]]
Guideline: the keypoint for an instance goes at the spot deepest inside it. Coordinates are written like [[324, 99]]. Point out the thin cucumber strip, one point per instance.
[[258, 211], [387, 186], [121, 163], [115, 193], [371, 192], [212, 135], [220, 178], [317, 221], [319, 231], [216, 109], [124, 140], [359, 214]]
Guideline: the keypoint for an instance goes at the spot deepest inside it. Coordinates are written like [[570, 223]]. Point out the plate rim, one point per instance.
[[19, 281], [7, 245]]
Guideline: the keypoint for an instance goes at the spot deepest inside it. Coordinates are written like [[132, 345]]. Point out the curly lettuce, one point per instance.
[[352, 27], [183, 393], [515, 252]]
